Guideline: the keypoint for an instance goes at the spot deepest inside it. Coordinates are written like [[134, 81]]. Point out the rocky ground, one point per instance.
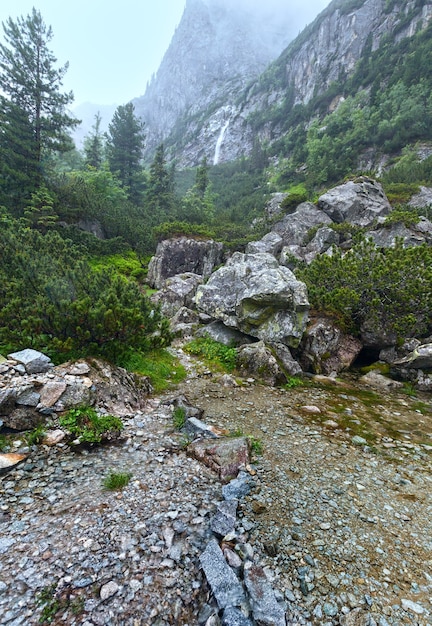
[[340, 518]]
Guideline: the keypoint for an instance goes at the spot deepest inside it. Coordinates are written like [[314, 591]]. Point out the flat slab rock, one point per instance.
[[224, 584], [223, 456]]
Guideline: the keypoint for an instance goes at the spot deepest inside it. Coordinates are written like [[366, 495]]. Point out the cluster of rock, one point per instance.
[[34, 392], [242, 593], [255, 301]]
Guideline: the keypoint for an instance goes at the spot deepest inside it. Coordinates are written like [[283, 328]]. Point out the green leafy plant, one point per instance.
[[116, 480], [36, 436], [213, 352], [4, 443], [256, 445], [179, 417], [293, 382], [87, 426]]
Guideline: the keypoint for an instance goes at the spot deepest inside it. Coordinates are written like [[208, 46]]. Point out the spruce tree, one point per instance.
[[124, 148]]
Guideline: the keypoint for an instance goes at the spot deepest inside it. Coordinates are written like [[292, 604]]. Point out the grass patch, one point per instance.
[[88, 426], [116, 480], [179, 417], [215, 354], [163, 369], [4, 443]]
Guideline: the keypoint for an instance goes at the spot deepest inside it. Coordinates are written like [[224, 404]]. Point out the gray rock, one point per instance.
[[357, 617], [34, 362], [177, 292], [223, 334], [238, 487], [223, 522], [224, 584], [257, 296], [285, 359], [273, 206], [294, 228], [181, 402], [196, 427], [234, 617], [180, 255], [265, 608], [360, 202], [271, 243], [29, 397], [224, 456], [258, 361], [385, 237], [7, 400], [23, 418], [420, 358], [325, 349], [422, 199], [378, 381]]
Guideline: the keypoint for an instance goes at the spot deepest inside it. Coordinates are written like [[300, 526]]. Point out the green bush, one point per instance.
[[389, 286], [296, 195], [88, 426], [52, 300]]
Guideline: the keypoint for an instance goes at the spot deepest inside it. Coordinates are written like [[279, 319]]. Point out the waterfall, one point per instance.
[[219, 143]]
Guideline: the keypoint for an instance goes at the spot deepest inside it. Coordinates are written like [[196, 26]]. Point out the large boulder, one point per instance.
[[221, 333], [34, 362], [422, 199], [257, 360], [257, 296], [181, 255], [415, 235], [271, 243], [294, 228], [359, 202], [176, 292], [325, 349]]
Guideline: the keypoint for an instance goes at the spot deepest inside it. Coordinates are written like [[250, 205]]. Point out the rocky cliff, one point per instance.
[[217, 49], [199, 101]]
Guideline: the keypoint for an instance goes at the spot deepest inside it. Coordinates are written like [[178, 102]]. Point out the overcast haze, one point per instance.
[[114, 47]]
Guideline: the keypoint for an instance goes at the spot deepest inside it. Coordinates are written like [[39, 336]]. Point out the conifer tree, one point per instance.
[[33, 118], [125, 143], [94, 145], [29, 77]]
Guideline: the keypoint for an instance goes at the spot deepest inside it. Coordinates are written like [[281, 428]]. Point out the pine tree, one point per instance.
[[125, 143], [94, 145], [29, 77], [160, 193]]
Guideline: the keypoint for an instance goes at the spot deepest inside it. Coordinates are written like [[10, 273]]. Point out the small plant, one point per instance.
[[4, 443], [179, 417], [410, 390], [116, 480], [214, 353], [256, 445], [88, 426], [293, 382], [36, 436], [51, 605], [236, 433]]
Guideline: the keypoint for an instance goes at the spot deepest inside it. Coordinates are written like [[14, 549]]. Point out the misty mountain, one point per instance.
[[220, 88], [218, 47]]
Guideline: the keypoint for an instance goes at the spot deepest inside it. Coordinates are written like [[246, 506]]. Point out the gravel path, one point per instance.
[[341, 526]]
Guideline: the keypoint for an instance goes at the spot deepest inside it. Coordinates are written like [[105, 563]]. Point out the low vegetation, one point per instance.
[[215, 354], [116, 480], [89, 427]]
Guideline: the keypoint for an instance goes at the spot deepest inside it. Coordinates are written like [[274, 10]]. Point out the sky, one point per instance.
[[114, 47]]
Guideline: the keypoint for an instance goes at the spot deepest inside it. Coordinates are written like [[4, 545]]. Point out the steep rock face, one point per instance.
[[217, 49], [215, 118]]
